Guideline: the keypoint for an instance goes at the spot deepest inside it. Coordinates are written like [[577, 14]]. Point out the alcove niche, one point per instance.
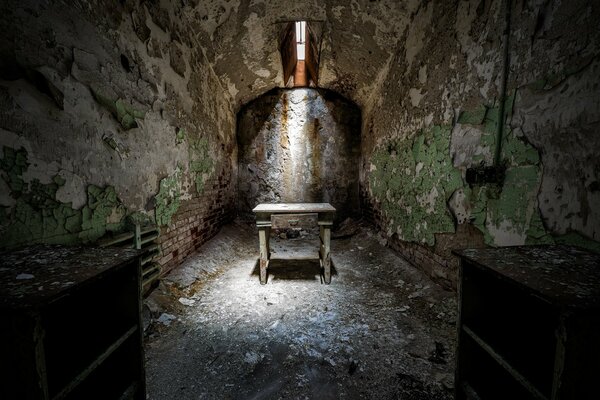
[[299, 145]]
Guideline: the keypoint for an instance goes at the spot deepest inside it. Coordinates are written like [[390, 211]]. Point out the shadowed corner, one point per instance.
[[303, 269]]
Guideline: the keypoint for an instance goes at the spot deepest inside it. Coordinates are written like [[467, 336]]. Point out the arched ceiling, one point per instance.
[[240, 40]]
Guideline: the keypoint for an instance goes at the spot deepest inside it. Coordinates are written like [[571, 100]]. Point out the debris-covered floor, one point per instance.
[[381, 330]]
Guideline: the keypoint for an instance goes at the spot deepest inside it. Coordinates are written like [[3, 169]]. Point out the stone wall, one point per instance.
[[121, 112], [109, 115], [438, 114], [299, 145]]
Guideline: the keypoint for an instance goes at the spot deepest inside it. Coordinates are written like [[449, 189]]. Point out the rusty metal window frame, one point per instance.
[[298, 47]]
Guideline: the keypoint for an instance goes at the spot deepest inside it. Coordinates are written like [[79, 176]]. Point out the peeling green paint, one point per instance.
[[168, 198], [37, 217], [489, 124], [201, 163], [123, 112], [516, 151], [103, 212], [413, 180], [126, 114], [474, 117], [512, 207], [478, 198], [180, 135]]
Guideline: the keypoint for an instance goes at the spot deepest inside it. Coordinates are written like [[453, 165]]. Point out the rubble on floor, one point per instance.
[[380, 330]]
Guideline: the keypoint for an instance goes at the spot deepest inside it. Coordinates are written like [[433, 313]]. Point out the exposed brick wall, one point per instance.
[[196, 221], [442, 270]]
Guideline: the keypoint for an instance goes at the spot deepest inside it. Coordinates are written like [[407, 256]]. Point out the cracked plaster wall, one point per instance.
[[436, 114], [299, 145], [109, 114]]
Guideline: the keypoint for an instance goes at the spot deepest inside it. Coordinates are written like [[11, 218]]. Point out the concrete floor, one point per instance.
[[380, 330]]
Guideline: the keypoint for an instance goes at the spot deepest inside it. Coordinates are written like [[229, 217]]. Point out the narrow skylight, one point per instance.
[[301, 40]]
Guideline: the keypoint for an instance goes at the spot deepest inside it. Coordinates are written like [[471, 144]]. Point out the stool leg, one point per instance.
[[263, 239], [269, 243], [325, 253]]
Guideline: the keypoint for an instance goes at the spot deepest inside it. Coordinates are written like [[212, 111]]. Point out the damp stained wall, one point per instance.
[[299, 145], [437, 113], [109, 115]]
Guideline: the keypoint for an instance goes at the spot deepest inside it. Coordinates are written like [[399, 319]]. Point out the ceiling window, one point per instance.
[[299, 55], [301, 40]]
